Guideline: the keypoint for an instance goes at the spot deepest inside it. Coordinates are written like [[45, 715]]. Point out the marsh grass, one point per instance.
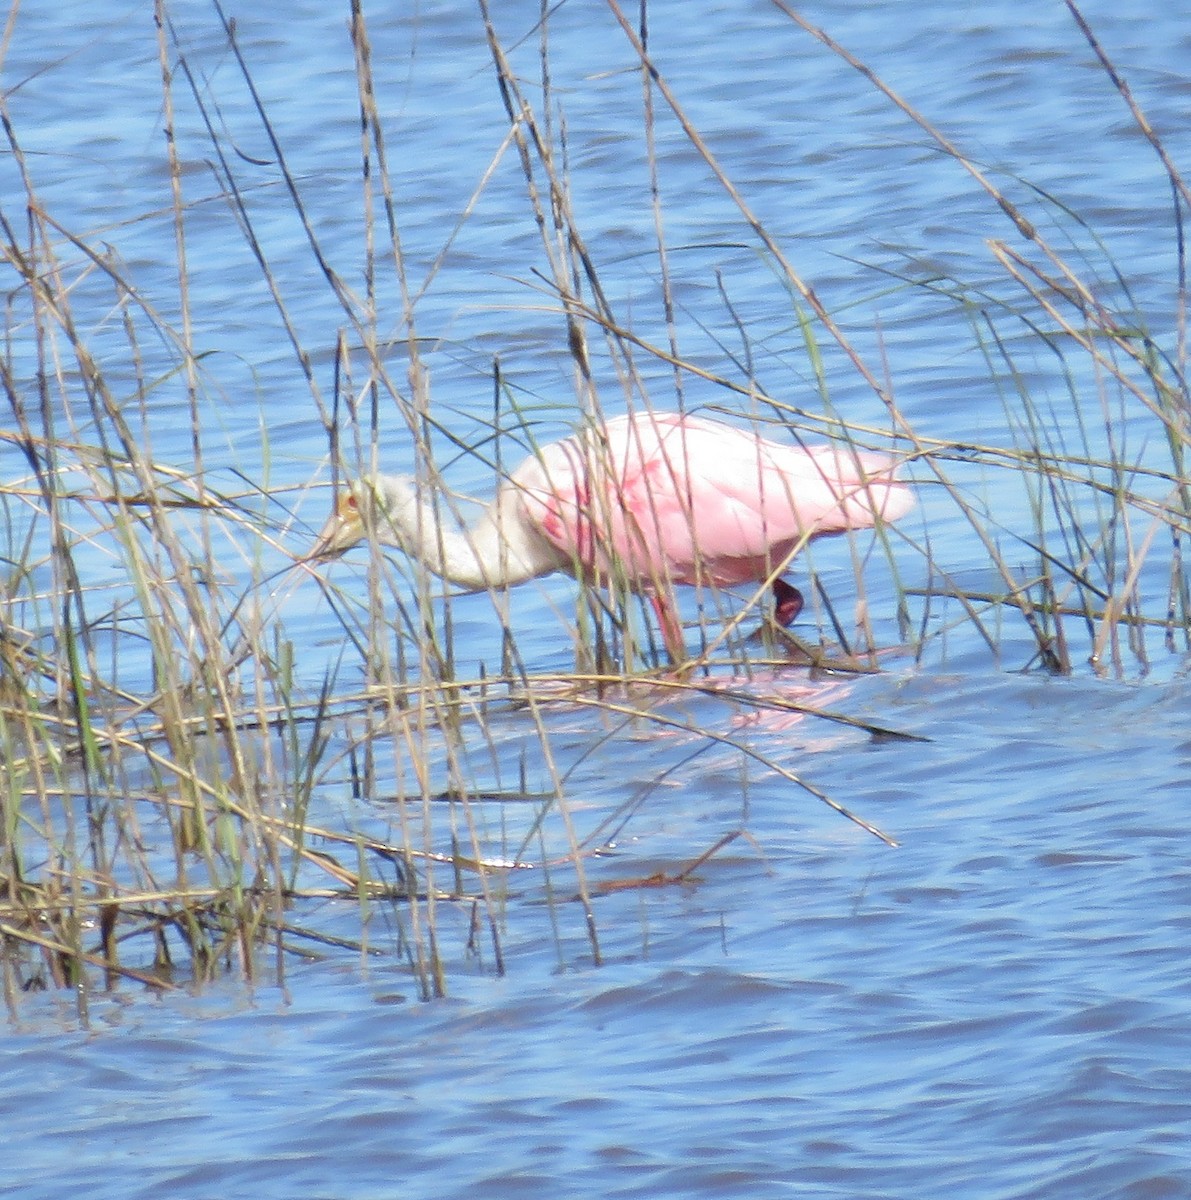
[[178, 801]]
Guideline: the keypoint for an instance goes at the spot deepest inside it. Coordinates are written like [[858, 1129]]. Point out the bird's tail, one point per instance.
[[867, 487]]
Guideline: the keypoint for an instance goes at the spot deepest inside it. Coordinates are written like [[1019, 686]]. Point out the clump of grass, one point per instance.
[[1101, 571], [177, 800]]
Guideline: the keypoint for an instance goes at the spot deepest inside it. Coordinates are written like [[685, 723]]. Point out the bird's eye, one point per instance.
[[350, 503]]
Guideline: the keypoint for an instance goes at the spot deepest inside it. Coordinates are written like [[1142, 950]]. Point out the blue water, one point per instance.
[[995, 1009]]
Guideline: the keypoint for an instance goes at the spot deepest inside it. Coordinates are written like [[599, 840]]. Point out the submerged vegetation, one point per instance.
[[181, 797]]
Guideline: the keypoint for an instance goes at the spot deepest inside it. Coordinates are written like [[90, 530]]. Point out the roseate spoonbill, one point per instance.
[[651, 499]]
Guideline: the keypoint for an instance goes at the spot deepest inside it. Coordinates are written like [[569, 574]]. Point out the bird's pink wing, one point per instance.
[[611, 501], [671, 499], [718, 504]]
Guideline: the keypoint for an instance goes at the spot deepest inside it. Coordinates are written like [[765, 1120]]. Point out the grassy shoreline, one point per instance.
[[163, 759]]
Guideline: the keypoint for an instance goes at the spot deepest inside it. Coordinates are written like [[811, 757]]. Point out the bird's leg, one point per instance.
[[787, 602], [671, 628]]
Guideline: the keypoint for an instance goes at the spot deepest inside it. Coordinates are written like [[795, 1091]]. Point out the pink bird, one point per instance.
[[651, 500]]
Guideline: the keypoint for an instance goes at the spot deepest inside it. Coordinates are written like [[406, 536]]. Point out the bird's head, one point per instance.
[[378, 505]]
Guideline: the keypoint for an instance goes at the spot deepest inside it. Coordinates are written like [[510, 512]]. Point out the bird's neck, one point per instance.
[[496, 550]]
